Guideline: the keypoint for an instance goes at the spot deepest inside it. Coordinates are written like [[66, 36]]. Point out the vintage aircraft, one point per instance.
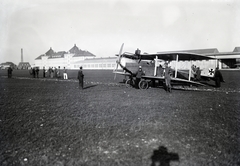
[[182, 73]]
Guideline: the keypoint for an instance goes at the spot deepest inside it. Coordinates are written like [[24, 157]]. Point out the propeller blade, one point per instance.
[[119, 55], [119, 59]]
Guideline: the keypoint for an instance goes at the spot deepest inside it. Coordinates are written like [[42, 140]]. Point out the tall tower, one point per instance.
[[21, 55]]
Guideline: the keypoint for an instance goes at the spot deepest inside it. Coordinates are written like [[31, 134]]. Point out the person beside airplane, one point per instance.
[[139, 75], [160, 70], [167, 77], [218, 78]]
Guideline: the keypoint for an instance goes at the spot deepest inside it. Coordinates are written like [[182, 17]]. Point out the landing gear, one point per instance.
[[143, 84], [130, 83]]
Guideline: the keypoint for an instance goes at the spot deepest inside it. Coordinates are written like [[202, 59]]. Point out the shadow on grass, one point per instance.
[[90, 86], [163, 157]]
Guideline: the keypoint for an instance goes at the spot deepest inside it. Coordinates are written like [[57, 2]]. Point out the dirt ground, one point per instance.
[[53, 122]]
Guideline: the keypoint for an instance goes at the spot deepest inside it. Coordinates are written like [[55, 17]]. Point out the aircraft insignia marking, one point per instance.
[[211, 72]]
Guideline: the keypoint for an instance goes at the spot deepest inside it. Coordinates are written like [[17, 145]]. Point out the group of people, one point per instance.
[[34, 72], [51, 73], [165, 72], [196, 73], [55, 73]]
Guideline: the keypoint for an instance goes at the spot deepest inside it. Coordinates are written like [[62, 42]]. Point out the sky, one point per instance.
[[101, 26]]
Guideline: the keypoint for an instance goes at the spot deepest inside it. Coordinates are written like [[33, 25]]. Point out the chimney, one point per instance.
[[21, 55]]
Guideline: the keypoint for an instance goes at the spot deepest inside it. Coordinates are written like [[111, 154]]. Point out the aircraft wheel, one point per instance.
[[143, 84], [129, 83]]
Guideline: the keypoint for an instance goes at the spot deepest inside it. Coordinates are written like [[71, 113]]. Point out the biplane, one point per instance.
[[184, 72]]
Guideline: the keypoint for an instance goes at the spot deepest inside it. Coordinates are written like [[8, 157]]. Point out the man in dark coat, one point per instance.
[[80, 78], [139, 75], [160, 69], [218, 78], [168, 78], [37, 71], [34, 72], [44, 72], [10, 72]]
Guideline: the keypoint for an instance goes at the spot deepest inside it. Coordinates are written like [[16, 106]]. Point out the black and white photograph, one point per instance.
[[119, 82]]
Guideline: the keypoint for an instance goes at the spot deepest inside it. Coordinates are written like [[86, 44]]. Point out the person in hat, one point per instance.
[[139, 75], [80, 78], [218, 78], [168, 78], [9, 72]]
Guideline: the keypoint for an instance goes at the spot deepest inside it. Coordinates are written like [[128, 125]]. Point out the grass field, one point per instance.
[[52, 122]]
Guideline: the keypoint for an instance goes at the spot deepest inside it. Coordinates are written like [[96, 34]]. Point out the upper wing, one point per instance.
[[168, 56], [182, 56]]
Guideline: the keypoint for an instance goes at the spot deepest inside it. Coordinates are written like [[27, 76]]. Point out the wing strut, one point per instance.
[[190, 70], [176, 66], [156, 65]]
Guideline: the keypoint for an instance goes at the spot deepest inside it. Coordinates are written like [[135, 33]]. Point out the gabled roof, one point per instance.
[[236, 49], [40, 57], [78, 52], [74, 50], [50, 51], [84, 53], [59, 54]]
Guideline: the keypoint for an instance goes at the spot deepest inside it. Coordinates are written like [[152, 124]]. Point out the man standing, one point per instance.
[[80, 78], [160, 69], [65, 76], [168, 78], [10, 72], [58, 72], [37, 71], [34, 72], [218, 78], [139, 75], [44, 71]]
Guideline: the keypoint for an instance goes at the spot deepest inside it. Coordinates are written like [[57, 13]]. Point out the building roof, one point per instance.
[[50, 51], [60, 54], [83, 53], [74, 50], [197, 51], [7, 63], [236, 49], [78, 52], [24, 63]]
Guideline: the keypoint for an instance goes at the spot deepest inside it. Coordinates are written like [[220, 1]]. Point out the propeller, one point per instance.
[[119, 59]]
